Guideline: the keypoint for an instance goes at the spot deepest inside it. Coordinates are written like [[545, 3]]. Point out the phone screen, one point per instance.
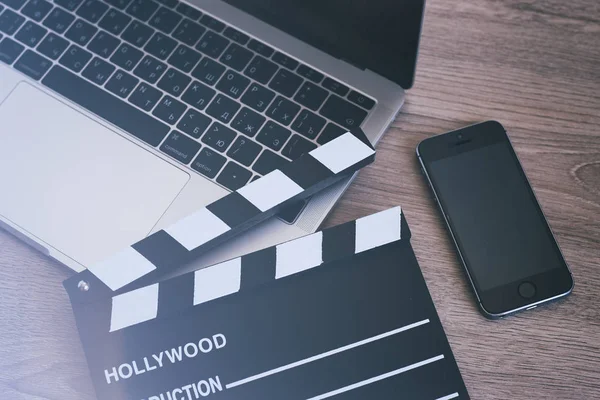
[[494, 216]]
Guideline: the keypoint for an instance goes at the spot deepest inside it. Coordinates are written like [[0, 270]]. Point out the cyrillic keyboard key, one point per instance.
[[212, 23], [31, 34], [142, 9], [10, 21], [174, 82], [198, 95], [121, 84], [184, 58], [70, 5], [212, 44], [58, 20], [180, 147], [343, 112], [16, 4], [165, 20], [103, 44], [283, 111], [194, 123], [297, 146], [233, 84], [236, 57], [114, 22], [92, 10], [189, 11], [145, 96], [37, 9], [308, 124], [219, 137], [261, 69], [120, 4], [75, 58], [98, 71], [330, 132], [244, 151], [160, 46], [189, 32], [105, 105], [234, 176], [247, 122], [137, 34], [169, 110], [223, 108], [126, 56], [284, 60], [311, 96], [150, 69], [236, 35], [53, 46], [81, 32], [208, 71], [33, 65], [208, 162], [260, 48], [273, 135], [267, 162], [361, 100], [258, 97]]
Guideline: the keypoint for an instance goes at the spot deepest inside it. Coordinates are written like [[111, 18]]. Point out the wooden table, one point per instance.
[[534, 65]]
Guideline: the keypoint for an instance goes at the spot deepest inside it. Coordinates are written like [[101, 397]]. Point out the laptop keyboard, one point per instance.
[[228, 106]]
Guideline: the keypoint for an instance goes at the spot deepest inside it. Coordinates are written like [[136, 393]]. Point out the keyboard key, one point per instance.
[[33, 65], [142, 9], [114, 21], [150, 69], [31, 34], [261, 69], [335, 86], [121, 84], [189, 11], [310, 73], [212, 44], [184, 58], [145, 96], [10, 50], [194, 123], [233, 84], [330, 132], [244, 151], [137, 34], [283, 110], [98, 71], [92, 10], [160, 46], [223, 108], [342, 112], [10, 21], [308, 124], [219, 137], [180, 147], [311, 96], [169, 110], [105, 105], [296, 147], [81, 32], [285, 82], [208, 71], [247, 122], [208, 163], [212, 23], [37, 9], [258, 97], [284, 60], [53, 46], [120, 4], [236, 35], [234, 176], [198, 95], [361, 100], [260, 48], [174, 82], [70, 5], [273, 135], [165, 20], [75, 58], [126, 56], [268, 162], [236, 57], [103, 44], [189, 32], [58, 20], [16, 4]]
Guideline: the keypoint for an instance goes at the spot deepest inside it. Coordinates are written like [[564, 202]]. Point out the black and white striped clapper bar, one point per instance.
[[344, 311], [180, 243]]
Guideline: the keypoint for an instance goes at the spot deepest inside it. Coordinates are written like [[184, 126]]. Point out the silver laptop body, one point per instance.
[[78, 186]]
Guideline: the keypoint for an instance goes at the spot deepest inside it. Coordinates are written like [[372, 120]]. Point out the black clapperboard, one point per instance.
[[343, 314]]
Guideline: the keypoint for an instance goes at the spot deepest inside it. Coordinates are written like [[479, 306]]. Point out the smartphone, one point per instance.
[[500, 232]]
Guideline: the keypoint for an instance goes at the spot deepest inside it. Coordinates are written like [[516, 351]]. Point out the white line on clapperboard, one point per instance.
[[450, 396], [340, 350]]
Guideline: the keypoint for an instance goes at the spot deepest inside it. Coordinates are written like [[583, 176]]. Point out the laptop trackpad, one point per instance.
[[74, 184]]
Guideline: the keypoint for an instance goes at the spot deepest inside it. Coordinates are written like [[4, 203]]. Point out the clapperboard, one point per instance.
[[343, 314], [167, 250]]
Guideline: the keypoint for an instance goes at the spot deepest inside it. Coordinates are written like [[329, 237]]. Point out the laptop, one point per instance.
[[119, 117]]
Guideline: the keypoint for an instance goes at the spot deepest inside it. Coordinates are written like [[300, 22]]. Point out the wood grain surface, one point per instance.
[[534, 65]]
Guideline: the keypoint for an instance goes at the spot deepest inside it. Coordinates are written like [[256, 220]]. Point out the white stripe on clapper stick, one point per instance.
[[134, 307], [342, 152], [327, 354], [270, 191], [197, 229], [377, 378], [450, 396], [378, 229]]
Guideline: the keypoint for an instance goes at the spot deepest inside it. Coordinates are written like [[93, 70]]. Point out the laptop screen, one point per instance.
[[379, 35]]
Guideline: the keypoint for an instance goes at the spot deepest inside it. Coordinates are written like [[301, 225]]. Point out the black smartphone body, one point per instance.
[[500, 232]]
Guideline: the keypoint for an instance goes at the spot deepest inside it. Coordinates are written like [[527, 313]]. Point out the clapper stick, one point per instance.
[[166, 250], [173, 296]]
